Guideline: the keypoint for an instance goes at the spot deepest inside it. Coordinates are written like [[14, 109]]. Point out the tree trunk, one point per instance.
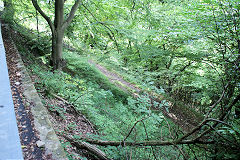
[[57, 35], [57, 29], [57, 45]]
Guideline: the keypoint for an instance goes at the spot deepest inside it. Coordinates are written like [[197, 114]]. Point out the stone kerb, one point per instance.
[[48, 138]]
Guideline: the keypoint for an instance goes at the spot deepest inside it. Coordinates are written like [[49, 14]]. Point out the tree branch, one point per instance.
[[134, 127], [193, 131], [230, 107], [141, 143], [76, 111], [181, 70], [35, 4], [114, 39], [218, 101], [71, 14], [83, 145]]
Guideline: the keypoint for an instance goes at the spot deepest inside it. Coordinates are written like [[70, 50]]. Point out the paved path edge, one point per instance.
[[10, 146]]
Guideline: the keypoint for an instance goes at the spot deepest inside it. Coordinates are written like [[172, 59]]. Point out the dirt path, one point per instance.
[[116, 79], [183, 117]]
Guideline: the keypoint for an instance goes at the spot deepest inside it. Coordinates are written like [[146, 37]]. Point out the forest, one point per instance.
[[153, 79]]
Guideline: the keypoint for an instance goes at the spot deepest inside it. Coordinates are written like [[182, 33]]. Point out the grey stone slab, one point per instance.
[[10, 147], [40, 115]]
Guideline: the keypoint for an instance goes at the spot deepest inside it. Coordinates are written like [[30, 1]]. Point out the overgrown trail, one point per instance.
[[116, 79], [182, 116]]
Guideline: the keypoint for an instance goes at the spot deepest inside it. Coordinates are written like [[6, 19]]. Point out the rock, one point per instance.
[[18, 74], [40, 144], [27, 104], [17, 83]]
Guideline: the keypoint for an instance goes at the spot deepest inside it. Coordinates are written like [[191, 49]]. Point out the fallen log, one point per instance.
[[91, 148], [140, 143]]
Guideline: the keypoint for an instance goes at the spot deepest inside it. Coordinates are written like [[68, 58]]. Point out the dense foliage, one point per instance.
[[188, 51]]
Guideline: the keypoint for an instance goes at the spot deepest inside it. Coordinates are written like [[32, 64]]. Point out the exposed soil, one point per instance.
[[113, 77]]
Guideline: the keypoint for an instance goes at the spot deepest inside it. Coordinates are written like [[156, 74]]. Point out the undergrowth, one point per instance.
[[111, 110], [144, 80]]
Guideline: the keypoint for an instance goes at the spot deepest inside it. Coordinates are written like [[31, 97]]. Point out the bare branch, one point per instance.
[[35, 4], [219, 121], [71, 14], [114, 39], [134, 127], [181, 70], [218, 101], [226, 139], [193, 131], [75, 110], [180, 150], [141, 143], [230, 107]]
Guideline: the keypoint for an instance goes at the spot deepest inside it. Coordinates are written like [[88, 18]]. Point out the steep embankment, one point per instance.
[[181, 115], [35, 112]]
